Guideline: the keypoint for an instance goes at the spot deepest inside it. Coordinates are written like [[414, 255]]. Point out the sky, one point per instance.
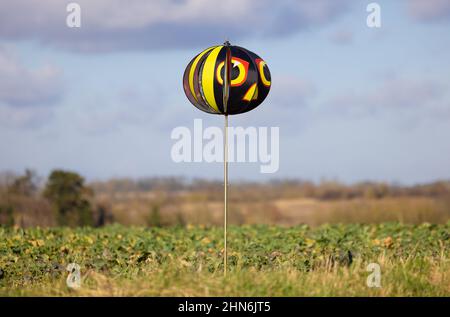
[[352, 103]]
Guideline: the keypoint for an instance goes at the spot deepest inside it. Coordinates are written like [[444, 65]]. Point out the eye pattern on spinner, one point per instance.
[[239, 72], [260, 63]]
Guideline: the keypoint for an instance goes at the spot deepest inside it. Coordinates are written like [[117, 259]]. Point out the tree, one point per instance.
[[70, 198], [25, 185], [17, 191], [6, 215]]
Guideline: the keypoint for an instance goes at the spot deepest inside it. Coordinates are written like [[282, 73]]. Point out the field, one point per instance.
[[328, 260]]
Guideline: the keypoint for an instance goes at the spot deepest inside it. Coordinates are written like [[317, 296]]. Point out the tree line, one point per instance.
[[64, 200]]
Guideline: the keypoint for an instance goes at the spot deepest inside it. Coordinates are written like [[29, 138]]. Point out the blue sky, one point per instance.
[[353, 103]]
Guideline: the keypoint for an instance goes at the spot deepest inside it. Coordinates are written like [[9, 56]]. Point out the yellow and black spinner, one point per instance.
[[226, 79]]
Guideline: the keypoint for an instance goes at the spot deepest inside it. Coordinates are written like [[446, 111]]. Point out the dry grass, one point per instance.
[[135, 209], [397, 279]]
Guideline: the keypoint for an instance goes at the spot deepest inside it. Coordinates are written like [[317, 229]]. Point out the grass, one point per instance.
[[329, 260], [132, 209]]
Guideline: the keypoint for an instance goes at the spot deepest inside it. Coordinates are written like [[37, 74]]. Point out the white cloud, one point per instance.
[[342, 37], [21, 86], [429, 10], [393, 94], [27, 118], [109, 25], [291, 91]]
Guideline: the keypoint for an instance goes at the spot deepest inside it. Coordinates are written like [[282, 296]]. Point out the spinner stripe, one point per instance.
[[207, 82], [193, 67]]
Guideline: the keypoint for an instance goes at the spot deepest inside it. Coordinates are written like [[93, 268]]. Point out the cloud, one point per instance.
[[27, 118], [23, 87], [26, 95], [112, 25], [291, 91], [342, 37], [392, 94], [429, 10], [129, 107]]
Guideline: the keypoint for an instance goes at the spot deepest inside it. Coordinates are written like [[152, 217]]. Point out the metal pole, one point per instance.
[[226, 91], [225, 176]]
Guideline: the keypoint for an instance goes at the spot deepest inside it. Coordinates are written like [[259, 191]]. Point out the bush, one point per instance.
[[70, 198], [6, 216]]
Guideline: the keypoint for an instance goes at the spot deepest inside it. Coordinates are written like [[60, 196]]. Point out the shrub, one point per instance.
[[70, 198]]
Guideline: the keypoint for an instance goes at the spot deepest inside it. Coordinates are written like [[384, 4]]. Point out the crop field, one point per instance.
[[329, 260]]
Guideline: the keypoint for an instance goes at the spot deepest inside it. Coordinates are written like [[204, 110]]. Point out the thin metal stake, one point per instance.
[[226, 91], [225, 176]]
